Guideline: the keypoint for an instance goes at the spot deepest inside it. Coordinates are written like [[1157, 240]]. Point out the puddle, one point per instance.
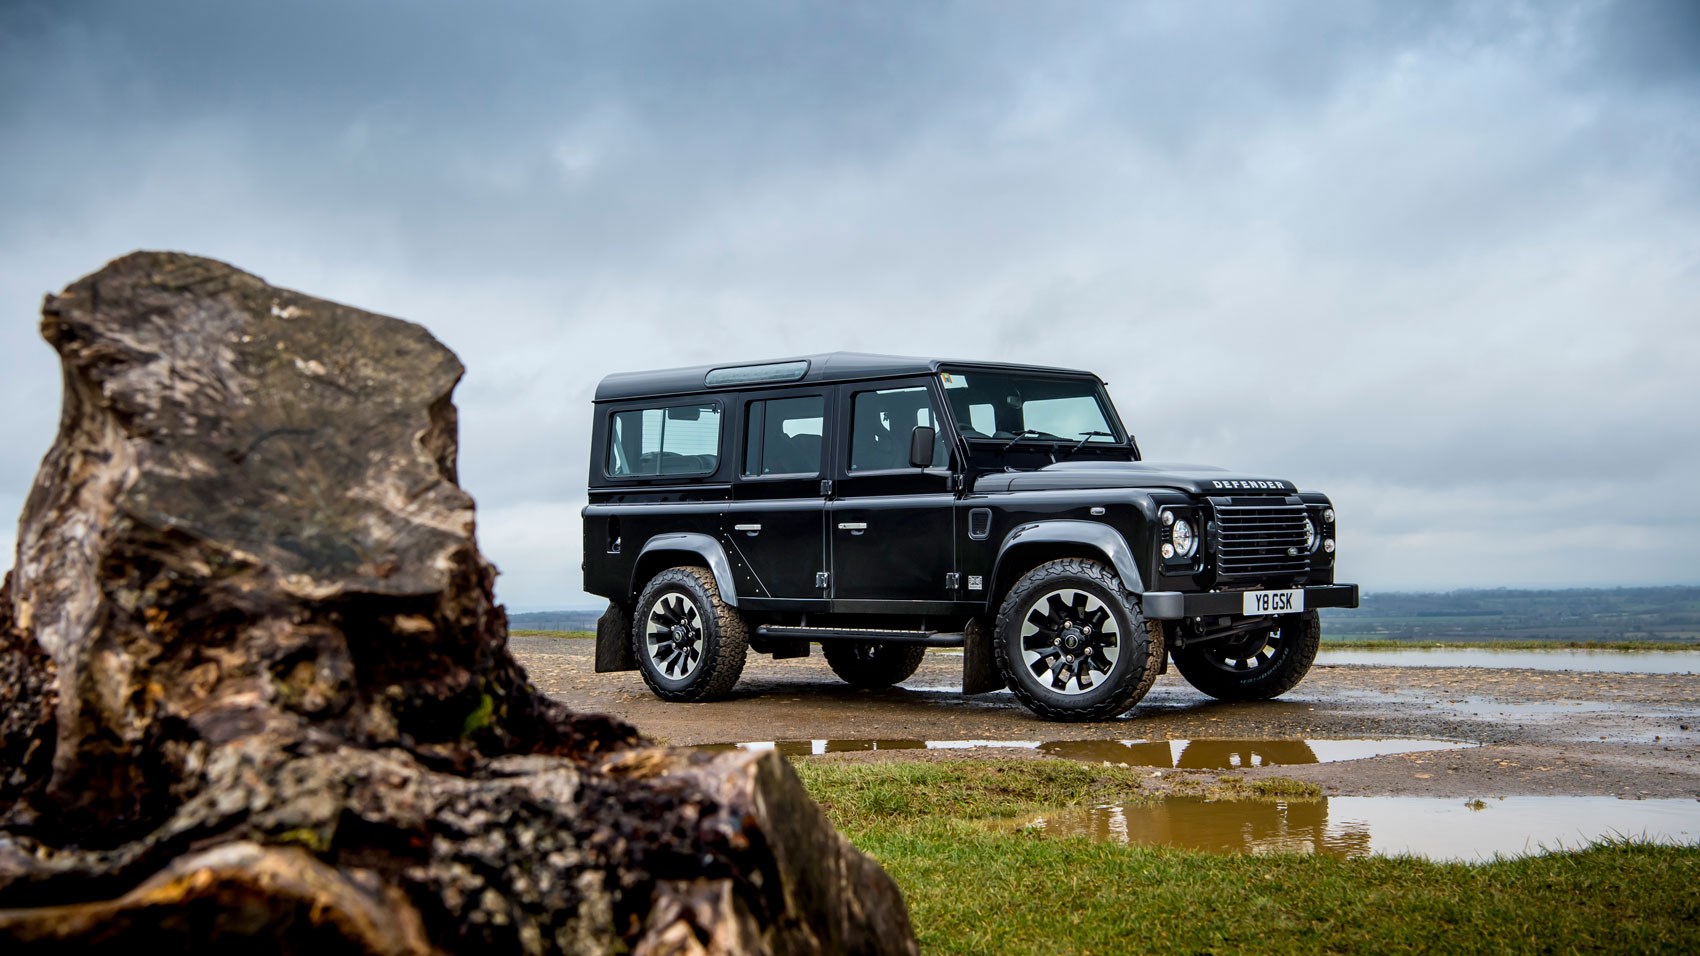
[[1167, 754], [1435, 828], [1490, 707], [1613, 662]]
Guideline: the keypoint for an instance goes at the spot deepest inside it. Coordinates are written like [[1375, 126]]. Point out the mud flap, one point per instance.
[[614, 641], [980, 674]]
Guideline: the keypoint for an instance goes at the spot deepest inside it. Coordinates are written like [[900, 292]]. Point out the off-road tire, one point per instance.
[[1210, 667], [723, 634], [1140, 643], [869, 664]]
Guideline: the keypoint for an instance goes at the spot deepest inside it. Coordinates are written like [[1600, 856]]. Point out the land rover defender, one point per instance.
[[878, 506]]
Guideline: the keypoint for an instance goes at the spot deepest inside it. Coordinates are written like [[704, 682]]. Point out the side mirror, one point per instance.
[[921, 446]]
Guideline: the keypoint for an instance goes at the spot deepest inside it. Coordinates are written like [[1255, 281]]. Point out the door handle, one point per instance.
[[856, 527], [751, 529]]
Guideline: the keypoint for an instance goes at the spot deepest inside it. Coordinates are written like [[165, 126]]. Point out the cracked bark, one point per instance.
[[254, 685]]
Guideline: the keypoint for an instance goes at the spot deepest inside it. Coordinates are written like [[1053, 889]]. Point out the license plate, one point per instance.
[[1275, 602]]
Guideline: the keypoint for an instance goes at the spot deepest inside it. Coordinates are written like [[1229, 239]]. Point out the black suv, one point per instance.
[[879, 506]]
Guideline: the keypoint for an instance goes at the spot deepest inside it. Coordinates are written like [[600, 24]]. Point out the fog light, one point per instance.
[[1328, 545], [1328, 516], [1168, 518], [1168, 551]]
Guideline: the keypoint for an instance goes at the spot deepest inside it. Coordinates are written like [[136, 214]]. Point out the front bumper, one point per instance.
[[1175, 605]]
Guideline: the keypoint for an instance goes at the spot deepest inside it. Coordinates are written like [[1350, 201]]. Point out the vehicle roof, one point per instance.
[[824, 367]]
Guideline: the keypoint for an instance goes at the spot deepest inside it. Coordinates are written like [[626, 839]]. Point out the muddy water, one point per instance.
[[1435, 828], [1613, 662], [1544, 732], [1168, 754]]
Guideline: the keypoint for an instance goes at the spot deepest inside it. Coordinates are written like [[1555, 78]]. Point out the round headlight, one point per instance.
[[1328, 516], [1310, 535], [1183, 538]]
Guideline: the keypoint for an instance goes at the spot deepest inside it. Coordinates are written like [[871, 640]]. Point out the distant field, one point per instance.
[[1384, 644], [1639, 615], [553, 620]]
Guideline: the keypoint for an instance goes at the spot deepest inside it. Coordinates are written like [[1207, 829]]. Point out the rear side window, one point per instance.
[[676, 440], [782, 436]]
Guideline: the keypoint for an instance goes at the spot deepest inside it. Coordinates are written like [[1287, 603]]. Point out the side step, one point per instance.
[[929, 638]]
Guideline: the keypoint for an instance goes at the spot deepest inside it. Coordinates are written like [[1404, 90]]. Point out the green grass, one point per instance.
[[975, 887], [570, 635], [1382, 644]]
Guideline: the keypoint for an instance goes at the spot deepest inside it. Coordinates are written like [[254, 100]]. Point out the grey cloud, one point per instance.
[[1405, 251], [1651, 45]]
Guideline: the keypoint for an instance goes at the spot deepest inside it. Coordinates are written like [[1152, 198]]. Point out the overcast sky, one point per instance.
[[1439, 261]]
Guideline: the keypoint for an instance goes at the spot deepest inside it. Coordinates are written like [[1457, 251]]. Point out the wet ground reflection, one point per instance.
[[1435, 828], [1201, 754], [1615, 662]]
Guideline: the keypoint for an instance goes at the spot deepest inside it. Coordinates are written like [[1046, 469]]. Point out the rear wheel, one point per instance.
[[867, 664], [1072, 646], [688, 643], [1256, 666]]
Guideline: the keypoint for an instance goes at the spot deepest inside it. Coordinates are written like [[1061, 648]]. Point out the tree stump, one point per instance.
[[255, 690]]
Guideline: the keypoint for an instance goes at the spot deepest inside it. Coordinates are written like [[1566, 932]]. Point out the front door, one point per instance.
[[776, 525], [892, 526]]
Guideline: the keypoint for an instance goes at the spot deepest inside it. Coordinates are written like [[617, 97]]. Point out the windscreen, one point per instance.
[[1001, 406]]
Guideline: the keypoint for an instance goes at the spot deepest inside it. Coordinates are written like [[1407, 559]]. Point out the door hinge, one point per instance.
[[952, 581], [821, 578]]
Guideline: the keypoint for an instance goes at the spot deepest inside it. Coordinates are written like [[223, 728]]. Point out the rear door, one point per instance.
[[776, 526]]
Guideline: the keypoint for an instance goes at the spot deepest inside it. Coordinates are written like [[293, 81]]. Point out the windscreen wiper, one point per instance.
[[1086, 437], [1023, 433]]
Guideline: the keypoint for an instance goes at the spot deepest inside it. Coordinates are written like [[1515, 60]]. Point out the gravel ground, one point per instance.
[[1539, 732]]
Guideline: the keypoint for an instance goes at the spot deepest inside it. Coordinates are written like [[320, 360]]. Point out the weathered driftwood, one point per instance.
[[254, 687]]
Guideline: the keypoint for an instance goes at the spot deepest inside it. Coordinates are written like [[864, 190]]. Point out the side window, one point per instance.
[[782, 436], [880, 424], [678, 440]]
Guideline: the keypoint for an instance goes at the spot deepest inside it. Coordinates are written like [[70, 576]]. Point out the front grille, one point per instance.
[[1259, 539]]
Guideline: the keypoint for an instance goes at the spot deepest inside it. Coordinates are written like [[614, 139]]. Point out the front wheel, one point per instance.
[[867, 664], [1072, 646], [1259, 665], [689, 644]]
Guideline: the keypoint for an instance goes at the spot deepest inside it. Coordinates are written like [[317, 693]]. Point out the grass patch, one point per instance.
[[569, 635], [1382, 644], [975, 888], [1280, 788]]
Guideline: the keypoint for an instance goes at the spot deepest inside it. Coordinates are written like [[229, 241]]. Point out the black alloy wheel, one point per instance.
[[1072, 645], [689, 645], [1259, 665]]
